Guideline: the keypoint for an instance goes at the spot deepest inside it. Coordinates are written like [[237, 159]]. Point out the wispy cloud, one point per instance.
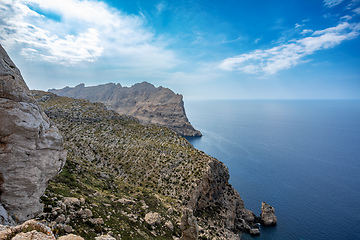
[[291, 53], [85, 31], [332, 3]]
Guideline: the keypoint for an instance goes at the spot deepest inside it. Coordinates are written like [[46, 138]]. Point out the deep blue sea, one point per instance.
[[300, 156]]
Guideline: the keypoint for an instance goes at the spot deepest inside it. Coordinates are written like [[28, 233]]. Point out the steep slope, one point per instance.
[[144, 101], [138, 179], [31, 147]]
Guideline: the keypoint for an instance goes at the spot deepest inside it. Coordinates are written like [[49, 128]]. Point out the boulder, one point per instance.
[[31, 147], [70, 237], [152, 218], [268, 217]]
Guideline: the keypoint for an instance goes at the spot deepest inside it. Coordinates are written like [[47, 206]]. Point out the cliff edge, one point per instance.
[[143, 101], [31, 148]]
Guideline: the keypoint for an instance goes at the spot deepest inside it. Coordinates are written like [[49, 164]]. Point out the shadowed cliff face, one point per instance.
[[144, 101], [31, 148]]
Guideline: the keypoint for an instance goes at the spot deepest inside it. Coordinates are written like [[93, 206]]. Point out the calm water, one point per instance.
[[301, 157]]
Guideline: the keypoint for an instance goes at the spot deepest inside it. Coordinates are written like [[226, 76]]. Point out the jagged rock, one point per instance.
[[126, 201], [169, 225], [31, 147], [88, 213], [60, 219], [5, 219], [254, 231], [268, 217], [68, 229], [33, 235], [71, 201], [152, 218], [188, 225], [143, 101], [97, 221], [41, 231], [214, 189], [105, 237], [70, 237]]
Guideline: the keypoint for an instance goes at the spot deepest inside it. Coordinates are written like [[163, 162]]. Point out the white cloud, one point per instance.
[[306, 31], [346, 18], [332, 3], [357, 10], [84, 30], [291, 53]]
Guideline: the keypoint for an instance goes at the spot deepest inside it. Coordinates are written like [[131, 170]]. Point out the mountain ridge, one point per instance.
[[144, 101]]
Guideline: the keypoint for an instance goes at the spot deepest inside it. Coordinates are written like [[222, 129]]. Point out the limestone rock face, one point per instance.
[[31, 148], [143, 101], [188, 225], [214, 189], [268, 217]]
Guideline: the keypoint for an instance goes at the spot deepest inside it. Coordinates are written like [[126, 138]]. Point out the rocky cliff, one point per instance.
[[144, 101], [139, 181], [31, 147]]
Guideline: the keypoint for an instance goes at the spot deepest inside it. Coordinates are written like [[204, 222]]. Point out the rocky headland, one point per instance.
[[144, 101], [121, 179]]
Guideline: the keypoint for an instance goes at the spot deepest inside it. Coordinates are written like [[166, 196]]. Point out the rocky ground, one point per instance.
[[134, 181]]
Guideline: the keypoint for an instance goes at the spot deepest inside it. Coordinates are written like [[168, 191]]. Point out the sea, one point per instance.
[[300, 156]]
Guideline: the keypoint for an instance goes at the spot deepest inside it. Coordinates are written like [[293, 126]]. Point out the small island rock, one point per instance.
[[268, 217]]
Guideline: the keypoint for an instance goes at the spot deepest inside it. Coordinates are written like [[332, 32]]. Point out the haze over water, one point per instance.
[[300, 156]]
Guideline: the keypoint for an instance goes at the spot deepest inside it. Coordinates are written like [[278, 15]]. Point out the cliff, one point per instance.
[[139, 181], [143, 100], [31, 147]]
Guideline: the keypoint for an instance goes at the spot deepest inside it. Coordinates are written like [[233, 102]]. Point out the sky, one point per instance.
[[202, 49]]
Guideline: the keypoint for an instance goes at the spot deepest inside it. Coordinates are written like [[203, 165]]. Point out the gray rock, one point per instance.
[[60, 219], [143, 101], [5, 219], [152, 218], [68, 229], [268, 217], [31, 147], [188, 225]]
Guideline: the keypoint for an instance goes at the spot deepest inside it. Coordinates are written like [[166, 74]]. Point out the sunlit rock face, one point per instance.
[[143, 101], [31, 148]]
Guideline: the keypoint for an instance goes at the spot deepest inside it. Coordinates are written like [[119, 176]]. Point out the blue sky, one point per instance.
[[209, 49]]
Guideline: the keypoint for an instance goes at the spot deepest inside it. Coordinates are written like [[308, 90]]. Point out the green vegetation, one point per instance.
[[113, 157]]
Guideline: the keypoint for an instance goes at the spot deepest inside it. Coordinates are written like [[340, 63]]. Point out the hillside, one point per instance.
[[144, 101], [136, 180]]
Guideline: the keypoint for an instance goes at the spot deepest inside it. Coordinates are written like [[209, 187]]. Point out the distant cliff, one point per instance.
[[143, 101]]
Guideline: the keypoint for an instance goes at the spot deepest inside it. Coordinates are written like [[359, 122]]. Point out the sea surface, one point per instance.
[[300, 156]]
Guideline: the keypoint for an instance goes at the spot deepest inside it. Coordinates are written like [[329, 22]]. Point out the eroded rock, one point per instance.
[[188, 225], [268, 217], [31, 147]]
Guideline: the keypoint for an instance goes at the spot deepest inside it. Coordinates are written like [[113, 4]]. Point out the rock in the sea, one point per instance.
[[268, 217], [31, 148], [188, 225], [143, 101]]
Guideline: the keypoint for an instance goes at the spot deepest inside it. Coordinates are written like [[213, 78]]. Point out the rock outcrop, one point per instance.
[[215, 190], [31, 148], [268, 217], [188, 225], [143, 101]]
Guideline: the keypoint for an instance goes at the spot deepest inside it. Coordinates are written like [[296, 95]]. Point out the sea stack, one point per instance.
[[31, 148], [268, 217]]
